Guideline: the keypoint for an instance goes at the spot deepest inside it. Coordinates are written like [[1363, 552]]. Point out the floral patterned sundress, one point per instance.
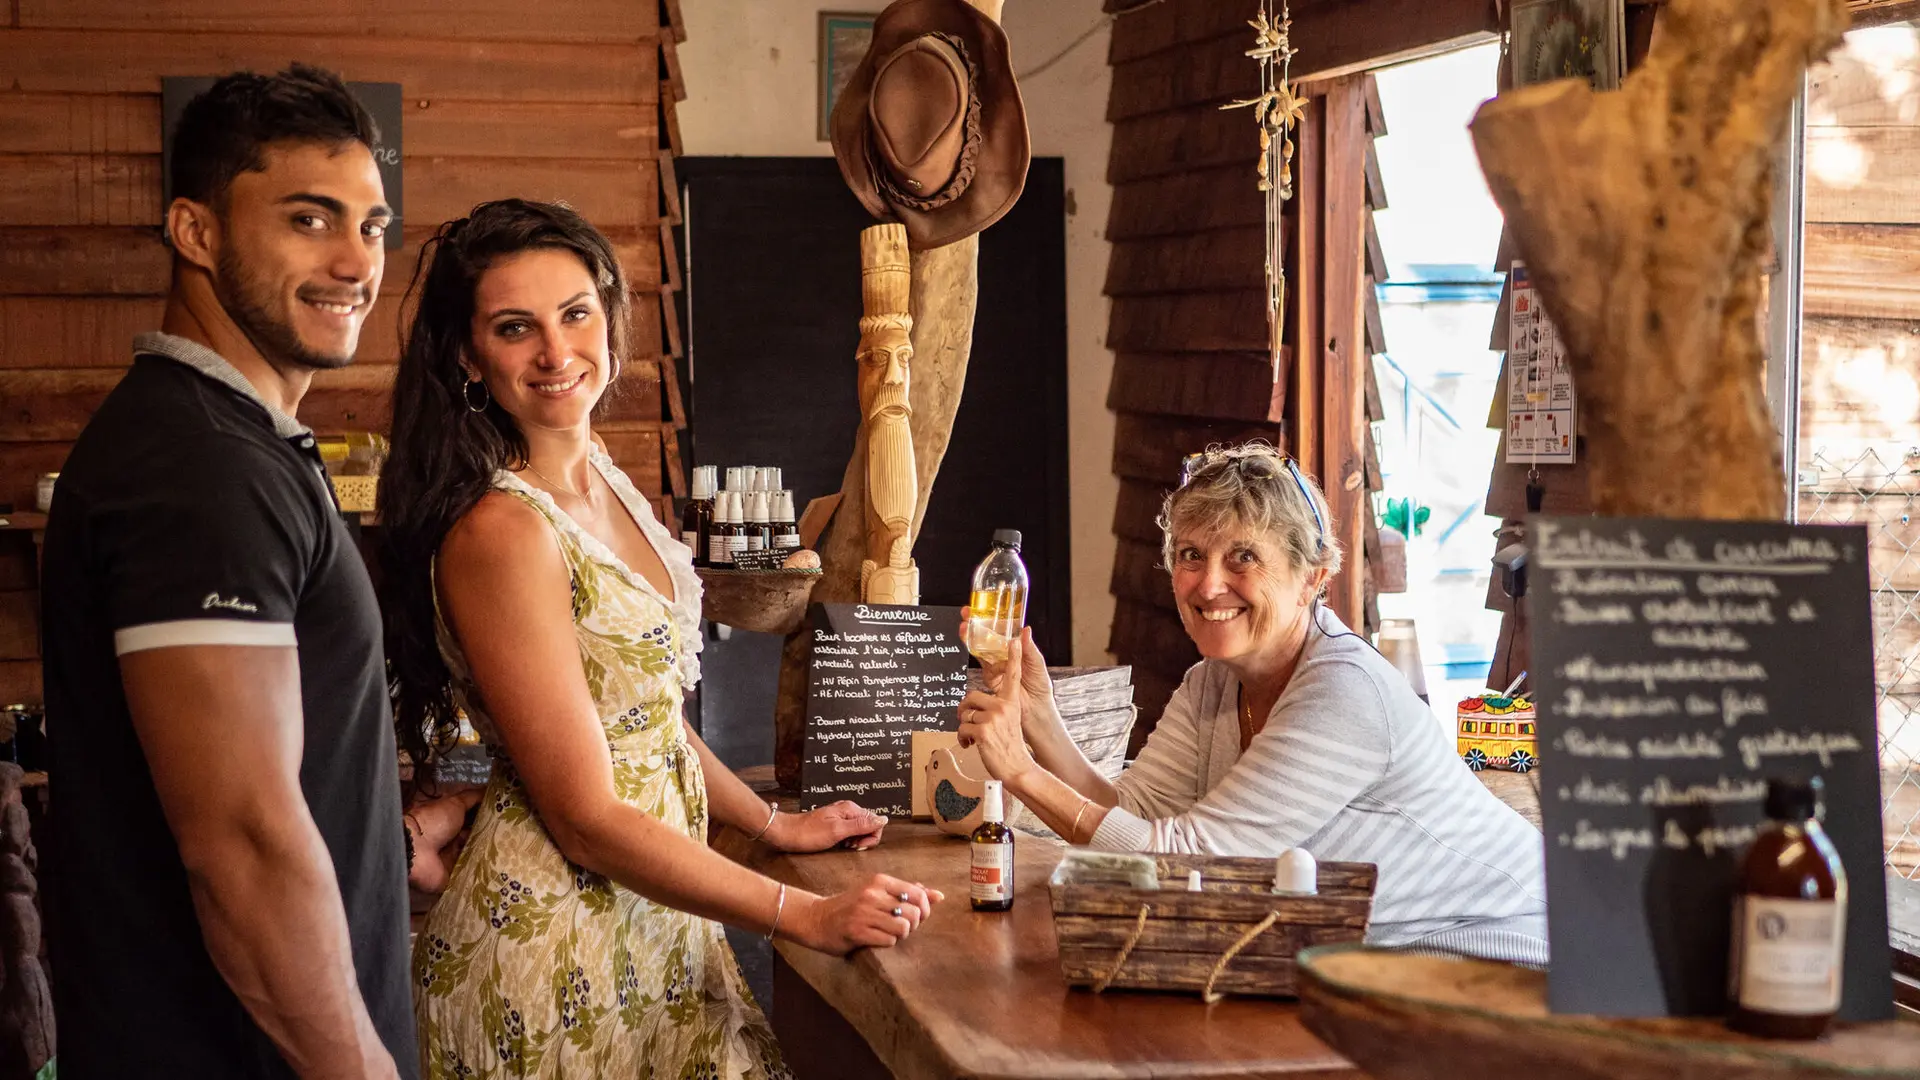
[[530, 966]]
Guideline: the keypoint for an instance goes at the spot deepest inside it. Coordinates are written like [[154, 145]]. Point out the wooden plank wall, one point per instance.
[[1187, 322], [569, 106]]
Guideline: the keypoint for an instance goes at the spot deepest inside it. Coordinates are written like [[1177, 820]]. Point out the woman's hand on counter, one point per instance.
[[877, 915], [844, 822], [992, 722]]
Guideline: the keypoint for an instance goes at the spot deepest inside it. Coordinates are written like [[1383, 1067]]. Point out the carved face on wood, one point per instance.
[[886, 359]]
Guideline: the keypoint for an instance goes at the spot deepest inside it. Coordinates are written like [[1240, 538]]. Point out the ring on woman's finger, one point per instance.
[[896, 912], [906, 898]]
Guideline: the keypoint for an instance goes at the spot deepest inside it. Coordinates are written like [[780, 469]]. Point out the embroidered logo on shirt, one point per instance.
[[214, 600]]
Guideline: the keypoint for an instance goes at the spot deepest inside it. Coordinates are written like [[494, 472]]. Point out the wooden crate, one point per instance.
[[1184, 935]]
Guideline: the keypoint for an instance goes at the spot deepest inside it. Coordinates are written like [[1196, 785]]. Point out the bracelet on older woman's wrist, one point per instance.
[[773, 811], [1075, 830], [779, 909]]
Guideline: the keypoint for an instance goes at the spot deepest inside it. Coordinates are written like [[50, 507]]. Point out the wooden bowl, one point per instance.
[[764, 601], [1401, 1016]]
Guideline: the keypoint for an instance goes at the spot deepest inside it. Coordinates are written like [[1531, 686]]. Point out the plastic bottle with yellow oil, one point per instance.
[[998, 607]]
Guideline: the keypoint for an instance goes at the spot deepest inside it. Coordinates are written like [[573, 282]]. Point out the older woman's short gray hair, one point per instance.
[[1253, 486]]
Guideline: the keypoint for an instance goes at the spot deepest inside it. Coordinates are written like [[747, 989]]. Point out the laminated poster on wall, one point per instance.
[[1541, 404]]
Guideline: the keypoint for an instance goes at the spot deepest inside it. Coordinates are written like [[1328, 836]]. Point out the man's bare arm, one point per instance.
[[222, 729]]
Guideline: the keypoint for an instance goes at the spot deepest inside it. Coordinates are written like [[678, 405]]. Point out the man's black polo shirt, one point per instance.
[[190, 512]]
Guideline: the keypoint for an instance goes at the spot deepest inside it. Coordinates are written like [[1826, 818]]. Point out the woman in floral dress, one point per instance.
[[530, 585]]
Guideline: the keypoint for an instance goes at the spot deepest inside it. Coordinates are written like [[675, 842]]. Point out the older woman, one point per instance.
[[1290, 732]]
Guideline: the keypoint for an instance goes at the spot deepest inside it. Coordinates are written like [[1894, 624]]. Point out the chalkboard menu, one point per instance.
[[1679, 665], [879, 673]]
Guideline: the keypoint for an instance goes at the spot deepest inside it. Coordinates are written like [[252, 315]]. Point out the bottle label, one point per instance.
[[992, 878], [786, 542], [753, 543], [718, 553], [690, 537], [735, 543], [1787, 955]]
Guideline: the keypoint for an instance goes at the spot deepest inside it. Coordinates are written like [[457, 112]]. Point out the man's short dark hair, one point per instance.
[[225, 131]]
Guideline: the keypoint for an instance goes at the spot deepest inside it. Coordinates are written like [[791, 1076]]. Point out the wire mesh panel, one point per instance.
[[1878, 485]]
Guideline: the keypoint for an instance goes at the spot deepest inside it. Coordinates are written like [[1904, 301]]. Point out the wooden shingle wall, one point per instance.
[[1188, 318], [565, 103]]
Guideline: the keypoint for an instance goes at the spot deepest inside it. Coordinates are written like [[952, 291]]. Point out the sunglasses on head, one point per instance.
[[1258, 468]]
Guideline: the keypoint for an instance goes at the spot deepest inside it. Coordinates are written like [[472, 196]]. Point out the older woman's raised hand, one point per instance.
[[991, 721], [1034, 681]]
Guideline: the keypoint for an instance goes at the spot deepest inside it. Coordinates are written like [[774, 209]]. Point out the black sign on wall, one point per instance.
[[879, 673], [1679, 665], [381, 99]]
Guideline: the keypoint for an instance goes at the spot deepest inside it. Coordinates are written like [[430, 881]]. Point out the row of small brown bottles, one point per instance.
[[753, 513]]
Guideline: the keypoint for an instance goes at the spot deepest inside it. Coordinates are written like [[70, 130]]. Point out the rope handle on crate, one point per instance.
[[1207, 994], [1139, 928]]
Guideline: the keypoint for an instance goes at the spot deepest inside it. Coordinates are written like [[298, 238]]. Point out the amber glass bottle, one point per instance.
[[1789, 921], [991, 888], [696, 522]]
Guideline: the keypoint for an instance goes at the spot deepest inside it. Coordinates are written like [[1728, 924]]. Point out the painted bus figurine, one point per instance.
[[1496, 732]]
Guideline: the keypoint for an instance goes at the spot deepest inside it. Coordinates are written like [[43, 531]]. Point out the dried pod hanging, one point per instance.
[[1276, 112]]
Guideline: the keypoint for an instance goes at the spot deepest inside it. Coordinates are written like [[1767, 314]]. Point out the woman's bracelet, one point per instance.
[[1075, 830], [779, 909], [773, 811]]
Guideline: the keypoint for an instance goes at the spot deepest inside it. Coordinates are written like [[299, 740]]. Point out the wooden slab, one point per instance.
[[1217, 386], [981, 995], [1863, 175], [121, 62], [1150, 448], [1137, 509], [1863, 271], [1220, 259], [131, 262], [1202, 73], [1182, 139], [1403, 1017], [560, 20], [1225, 321], [1139, 576], [1191, 201]]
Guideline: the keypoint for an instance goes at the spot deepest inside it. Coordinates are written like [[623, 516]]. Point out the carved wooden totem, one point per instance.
[[887, 574]]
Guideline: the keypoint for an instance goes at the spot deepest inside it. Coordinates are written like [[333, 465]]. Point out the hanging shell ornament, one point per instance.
[[1277, 110]]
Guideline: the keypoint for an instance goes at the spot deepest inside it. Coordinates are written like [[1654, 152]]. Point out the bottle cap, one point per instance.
[[757, 507], [772, 474], [1008, 537], [733, 478], [702, 482], [1794, 800], [783, 506], [993, 807]]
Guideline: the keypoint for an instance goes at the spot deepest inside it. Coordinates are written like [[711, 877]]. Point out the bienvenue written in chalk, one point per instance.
[[1678, 665], [878, 674]]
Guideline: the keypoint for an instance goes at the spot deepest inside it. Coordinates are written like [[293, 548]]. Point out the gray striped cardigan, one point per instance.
[[1352, 766]]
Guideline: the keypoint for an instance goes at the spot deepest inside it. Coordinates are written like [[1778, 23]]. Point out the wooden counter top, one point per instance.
[[980, 995]]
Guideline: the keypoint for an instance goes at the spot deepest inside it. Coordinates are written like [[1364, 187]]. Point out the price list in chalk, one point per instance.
[[879, 673], [1678, 665]]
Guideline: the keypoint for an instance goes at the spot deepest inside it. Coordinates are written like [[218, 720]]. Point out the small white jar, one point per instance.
[[43, 491]]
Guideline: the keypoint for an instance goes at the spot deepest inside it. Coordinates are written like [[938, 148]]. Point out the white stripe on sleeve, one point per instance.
[[163, 635]]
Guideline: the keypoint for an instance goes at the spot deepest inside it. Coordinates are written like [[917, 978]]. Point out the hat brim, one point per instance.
[[1000, 170]]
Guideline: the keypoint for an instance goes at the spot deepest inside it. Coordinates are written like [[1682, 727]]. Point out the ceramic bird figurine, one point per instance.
[[957, 781]]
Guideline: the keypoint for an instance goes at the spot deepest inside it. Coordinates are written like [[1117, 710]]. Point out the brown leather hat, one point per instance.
[[930, 131]]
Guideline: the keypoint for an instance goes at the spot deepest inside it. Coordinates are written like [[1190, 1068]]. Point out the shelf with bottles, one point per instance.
[[747, 550]]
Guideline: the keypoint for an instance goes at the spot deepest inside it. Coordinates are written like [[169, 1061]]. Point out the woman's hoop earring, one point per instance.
[[486, 396]]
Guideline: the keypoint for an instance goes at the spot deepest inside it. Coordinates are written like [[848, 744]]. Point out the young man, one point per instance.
[[228, 848]]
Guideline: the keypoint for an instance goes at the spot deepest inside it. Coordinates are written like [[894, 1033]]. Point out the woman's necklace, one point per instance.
[[576, 494], [1246, 699]]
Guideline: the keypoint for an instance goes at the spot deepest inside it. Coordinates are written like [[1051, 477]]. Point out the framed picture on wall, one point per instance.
[[844, 37]]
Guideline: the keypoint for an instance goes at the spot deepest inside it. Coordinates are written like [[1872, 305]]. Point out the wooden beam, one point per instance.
[[1376, 115], [1190, 322], [669, 191], [1868, 13], [1224, 259], [1213, 386], [1139, 576], [1201, 73], [1304, 270], [504, 20], [672, 21], [1343, 427], [1376, 183], [1146, 635], [1137, 509], [1377, 267], [1149, 448], [132, 262], [672, 141], [1180, 141], [119, 62], [1376, 342], [670, 68], [637, 452], [1334, 36], [1863, 271], [1187, 202], [1863, 175], [111, 189]]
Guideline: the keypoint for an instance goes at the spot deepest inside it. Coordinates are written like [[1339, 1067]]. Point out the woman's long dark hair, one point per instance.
[[444, 454]]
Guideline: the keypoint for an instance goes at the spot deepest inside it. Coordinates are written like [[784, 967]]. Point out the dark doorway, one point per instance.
[[773, 297]]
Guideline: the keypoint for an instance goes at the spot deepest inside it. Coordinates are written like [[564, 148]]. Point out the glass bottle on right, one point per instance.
[[997, 608], [1789, 921]]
